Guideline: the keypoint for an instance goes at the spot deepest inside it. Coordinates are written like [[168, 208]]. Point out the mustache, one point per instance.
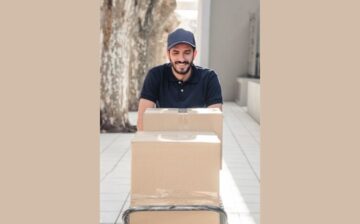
[[182, 62]]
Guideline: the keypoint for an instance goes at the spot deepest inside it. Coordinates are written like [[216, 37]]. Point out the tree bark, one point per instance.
[[115, 27], [154, 20], [133, 33]]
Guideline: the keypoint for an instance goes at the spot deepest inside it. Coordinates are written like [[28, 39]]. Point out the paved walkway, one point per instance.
[[239, 178]]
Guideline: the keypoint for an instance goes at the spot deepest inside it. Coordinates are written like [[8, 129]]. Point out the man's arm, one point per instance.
[[217, 105], [213, 92], [143, 105]]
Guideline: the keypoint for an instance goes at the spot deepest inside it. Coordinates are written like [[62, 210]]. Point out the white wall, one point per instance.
[[228, 45], [253, 99], [203, 32]]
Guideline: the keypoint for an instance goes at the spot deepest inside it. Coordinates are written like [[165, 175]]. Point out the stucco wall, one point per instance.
[[228, 46]]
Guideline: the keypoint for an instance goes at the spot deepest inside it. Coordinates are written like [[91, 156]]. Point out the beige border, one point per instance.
[[49, 97], [310, 112], [49, 86]]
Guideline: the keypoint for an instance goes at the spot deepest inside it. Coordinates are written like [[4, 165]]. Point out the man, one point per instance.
[[179, 84]]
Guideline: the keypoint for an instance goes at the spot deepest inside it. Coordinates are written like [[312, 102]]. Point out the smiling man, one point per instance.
[[179, 84]]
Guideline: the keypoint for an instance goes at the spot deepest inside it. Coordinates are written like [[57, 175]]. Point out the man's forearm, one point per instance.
[[143, 105]]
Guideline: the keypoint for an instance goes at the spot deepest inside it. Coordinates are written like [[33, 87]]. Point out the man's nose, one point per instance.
[[181, 57]]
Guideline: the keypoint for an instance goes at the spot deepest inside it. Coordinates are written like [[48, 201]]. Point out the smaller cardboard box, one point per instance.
[[190, 119], [175, 217]]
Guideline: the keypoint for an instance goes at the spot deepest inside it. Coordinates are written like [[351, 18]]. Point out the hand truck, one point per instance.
[[156, 208]]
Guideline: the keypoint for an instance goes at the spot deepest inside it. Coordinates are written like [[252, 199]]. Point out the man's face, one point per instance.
[[181, 57]]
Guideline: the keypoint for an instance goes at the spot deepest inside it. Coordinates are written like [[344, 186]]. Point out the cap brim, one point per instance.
[[181, 42]]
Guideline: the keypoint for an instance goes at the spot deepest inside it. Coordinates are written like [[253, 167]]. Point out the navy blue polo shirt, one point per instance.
[[202, 89]]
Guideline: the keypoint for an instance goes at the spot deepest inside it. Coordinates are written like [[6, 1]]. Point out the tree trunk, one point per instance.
[[115, 27], [154, 20], [133, 33]]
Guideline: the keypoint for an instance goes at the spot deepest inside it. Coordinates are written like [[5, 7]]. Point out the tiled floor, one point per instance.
[[239, 180]]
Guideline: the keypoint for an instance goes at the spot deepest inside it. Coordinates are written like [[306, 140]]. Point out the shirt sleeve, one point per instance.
[[150, 89], [213, 93]]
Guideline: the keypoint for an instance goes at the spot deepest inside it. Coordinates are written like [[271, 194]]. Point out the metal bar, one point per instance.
[[155, 208]]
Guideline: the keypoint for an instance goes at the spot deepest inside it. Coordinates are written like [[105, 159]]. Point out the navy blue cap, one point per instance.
[[180, 36]]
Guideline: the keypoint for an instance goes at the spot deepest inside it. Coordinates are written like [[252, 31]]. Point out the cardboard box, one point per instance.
[[174, 163], [175, 168], [191, 119], [182, 217]]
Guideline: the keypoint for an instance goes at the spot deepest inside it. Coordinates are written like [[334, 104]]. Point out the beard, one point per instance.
[[182, 71]]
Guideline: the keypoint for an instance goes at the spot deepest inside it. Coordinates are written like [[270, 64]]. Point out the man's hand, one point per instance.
[[217, 105], [143, 105]]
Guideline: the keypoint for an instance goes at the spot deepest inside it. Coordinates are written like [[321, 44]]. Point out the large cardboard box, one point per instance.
[[175, 168], [191, 119], [179, 162]]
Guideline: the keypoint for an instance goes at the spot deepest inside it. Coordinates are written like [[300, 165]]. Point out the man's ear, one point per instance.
[[195, 53], [168, 54]]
